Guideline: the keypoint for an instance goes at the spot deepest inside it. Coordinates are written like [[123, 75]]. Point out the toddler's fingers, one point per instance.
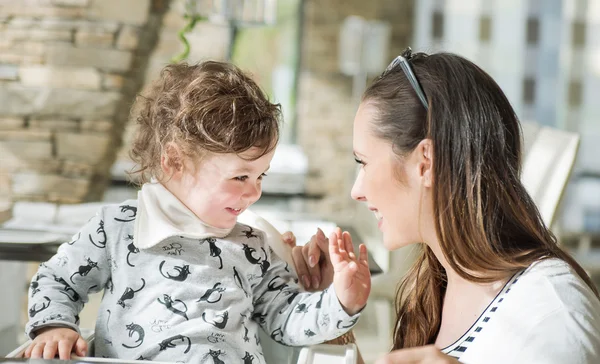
[[364, 254], [27, 352], [38, 351], [339, 239], [334, 246], [50, 350], [347, 239], [81, 347], [64, 349], [289, 238]]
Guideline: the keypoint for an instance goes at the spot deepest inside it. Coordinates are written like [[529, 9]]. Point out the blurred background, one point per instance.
[[71, 69]]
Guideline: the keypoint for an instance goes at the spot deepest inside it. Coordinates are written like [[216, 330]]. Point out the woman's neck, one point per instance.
[[463, 300], [456, 282]]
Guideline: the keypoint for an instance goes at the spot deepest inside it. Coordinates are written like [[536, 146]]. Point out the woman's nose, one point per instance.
[[356, 192]]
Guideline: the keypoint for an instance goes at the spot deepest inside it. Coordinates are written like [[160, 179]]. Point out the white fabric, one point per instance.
[[161, 215], [549, 316]]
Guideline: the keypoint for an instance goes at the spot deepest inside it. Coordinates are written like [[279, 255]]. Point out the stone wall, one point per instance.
[[69, 70]]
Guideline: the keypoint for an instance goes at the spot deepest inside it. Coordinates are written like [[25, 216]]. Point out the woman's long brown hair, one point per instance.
[[487, 224]]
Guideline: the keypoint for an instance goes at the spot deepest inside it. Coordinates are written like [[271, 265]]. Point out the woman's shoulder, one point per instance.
[[545, 314], [562, 312], [552, 285]]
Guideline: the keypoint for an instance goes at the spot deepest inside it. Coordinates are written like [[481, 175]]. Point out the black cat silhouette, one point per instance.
[[84, 270], [277, 336], [168, 303], [218, 324], [249, 232], [210, 291], [238, 281], [132, 249], [260, 318], [352, 322], [248, 251], [34, 287], [67, 289], [34, 310], [100, 231], [215, 356], [245, 337], [263, 262], [170, 343], [290, 299], [35, 284], [135, 329], [248, 359], [215, 251], [182, 272], [321, 299], [128, 209], [272, 286], [129, 293], [302, 308]]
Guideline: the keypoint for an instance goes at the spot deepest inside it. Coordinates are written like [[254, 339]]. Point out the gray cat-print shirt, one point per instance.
[[186, 300]]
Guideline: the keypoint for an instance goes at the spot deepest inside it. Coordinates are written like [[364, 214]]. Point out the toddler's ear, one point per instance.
[[171, 160]]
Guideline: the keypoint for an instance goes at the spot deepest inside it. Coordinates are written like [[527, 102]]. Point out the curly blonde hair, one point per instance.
[[209, 107]]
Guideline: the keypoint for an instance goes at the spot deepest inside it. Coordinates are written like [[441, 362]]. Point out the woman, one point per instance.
[[439, 149]]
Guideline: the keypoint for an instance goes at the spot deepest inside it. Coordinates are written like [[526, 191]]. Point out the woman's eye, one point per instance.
[[359, 161], [241, 178]]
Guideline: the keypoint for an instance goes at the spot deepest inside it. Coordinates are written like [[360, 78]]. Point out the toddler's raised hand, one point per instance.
[[351, 275]]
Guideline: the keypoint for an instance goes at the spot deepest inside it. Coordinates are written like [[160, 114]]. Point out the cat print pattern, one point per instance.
[[183, 299]]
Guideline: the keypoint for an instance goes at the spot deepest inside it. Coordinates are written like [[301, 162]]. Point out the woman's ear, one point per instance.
[[171, 161], [425, 161]]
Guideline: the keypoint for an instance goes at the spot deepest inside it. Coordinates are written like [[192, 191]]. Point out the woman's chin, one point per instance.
[[393, 244]]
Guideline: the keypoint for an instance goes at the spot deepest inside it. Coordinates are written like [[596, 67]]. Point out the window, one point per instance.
[[533, 31], [578, 36], [529, 91], [485, 28], [575, 93], [437, 25], [271, 54]]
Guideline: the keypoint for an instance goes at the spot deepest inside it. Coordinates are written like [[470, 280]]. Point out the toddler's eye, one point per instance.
[[262, 175], [241, 178]]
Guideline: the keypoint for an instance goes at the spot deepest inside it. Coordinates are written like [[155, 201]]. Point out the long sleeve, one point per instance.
[[61, 286], [295, 318]]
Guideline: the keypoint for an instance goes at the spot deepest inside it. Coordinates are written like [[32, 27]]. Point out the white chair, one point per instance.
[[548, 158], [548, 161]]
